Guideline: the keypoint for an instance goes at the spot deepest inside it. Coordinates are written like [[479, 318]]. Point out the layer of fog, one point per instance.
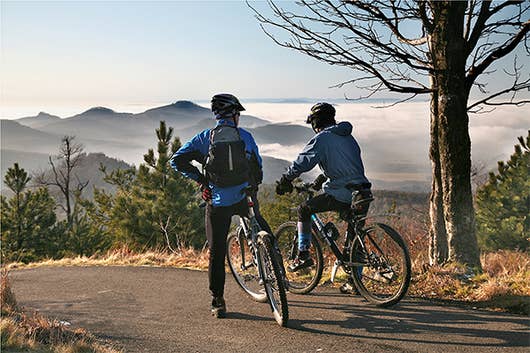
[[395, 140]]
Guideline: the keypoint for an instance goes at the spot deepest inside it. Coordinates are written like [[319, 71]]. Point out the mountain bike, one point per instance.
[[375, 257], [256, 264]]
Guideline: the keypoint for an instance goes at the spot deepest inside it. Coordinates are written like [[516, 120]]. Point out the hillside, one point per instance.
[[283, 134], [88, 170], [273, 168], [39, 120], [15, 136]]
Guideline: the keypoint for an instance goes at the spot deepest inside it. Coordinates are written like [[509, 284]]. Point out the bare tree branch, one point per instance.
[[498, 53], [514, 88], [360, 46], [61, 176]]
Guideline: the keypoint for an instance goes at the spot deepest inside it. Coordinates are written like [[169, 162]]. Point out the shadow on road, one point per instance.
[[243, 316], [412, 319]]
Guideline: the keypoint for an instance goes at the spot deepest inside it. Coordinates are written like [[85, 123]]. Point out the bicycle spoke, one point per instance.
[[243, 267], [273, 280], [385, 276], [304, 280]]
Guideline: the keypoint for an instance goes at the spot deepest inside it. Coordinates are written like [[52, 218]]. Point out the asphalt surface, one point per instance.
[[145, 309]]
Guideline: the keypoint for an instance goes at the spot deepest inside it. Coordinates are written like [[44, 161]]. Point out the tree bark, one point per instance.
[[452, 133], [438, 247]]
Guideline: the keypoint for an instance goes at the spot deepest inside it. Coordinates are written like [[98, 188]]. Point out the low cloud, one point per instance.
[[395, 141]]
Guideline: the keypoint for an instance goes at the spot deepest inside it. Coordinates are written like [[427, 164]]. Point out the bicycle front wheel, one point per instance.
[[304, 280], [384, 270], [244, 267], [273, 279]]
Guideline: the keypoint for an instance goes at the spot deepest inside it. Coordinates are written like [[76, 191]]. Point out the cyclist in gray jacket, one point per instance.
[[338, 155]]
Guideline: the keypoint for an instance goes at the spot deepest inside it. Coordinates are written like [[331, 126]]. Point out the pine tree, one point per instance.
[[503, 203], [154, 206], [27, 220]]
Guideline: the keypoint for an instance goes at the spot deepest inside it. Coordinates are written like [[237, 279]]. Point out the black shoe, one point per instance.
[[302, 261], [218, 307]]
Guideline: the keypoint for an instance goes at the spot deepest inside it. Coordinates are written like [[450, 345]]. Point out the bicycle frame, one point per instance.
[[251, 231], [352, 233]]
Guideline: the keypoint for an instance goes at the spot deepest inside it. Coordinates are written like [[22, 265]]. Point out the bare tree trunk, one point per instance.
[[438, 247], [452, 127]]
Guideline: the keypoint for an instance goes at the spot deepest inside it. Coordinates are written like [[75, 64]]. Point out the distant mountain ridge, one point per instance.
[[123, 135], [39, 120], [128, 136]]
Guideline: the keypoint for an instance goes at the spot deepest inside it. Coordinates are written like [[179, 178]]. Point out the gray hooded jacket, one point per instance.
[[339, 157]]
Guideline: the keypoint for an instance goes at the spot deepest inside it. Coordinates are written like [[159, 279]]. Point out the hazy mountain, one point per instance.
[[99, 114], [128, 136], [88, 169], [30, 161], [273, 168], [180, 114], [19, 137], [39, 120], [283, 134], [100, 123], [412, 186]]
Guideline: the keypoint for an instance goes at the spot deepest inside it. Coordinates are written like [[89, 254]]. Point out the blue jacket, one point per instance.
[[338, 155], [197, 149]]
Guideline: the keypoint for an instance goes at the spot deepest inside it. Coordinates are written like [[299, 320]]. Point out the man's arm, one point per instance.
[[255, 160], [306, 160], [256, 163], [193, 150]]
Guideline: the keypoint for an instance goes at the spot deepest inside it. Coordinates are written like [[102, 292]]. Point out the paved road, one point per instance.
[[143, 309]]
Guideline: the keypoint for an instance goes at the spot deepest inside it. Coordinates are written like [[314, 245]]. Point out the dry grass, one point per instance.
[[7, 298], [504, 284], [37, 334], [187, 258]]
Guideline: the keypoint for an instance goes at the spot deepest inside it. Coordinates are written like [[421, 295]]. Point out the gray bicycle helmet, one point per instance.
[[321, 116], [225, 105]]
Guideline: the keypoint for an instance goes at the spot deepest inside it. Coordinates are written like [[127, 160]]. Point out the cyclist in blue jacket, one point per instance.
[[231, 165], [338, 155]]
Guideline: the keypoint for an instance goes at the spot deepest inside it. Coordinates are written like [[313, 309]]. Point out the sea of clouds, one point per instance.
[[395, 140]]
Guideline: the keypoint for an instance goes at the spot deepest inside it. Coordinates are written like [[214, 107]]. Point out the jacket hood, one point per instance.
[[343, 128]]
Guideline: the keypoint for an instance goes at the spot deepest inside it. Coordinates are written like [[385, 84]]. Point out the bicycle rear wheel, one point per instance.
[[243, 266], [273, 279], [305, 280], [384, 276]]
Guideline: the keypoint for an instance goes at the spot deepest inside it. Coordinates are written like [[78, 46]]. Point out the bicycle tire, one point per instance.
[[273, 279], [384, 277], [244, 267], [303, 281]]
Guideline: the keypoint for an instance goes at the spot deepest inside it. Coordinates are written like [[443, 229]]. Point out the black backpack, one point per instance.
[[226, 163]]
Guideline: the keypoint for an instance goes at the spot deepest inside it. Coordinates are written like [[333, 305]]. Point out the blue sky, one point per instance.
[[156, 51], [113, 53]]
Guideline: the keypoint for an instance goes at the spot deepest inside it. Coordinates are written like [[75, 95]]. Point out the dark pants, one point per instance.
[[320, 203], [218, 221]]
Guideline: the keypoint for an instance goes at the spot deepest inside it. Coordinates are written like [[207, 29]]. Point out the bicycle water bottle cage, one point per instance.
[[331, 230]]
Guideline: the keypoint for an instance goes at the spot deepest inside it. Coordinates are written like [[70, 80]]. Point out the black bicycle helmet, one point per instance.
[[225, 105], [321, 116]]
